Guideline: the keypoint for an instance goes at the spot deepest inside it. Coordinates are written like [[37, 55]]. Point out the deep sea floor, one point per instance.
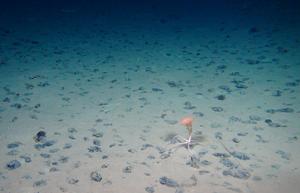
[[94, 106]]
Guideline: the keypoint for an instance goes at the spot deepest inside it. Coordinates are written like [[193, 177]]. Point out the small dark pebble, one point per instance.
[[151, 157], [41, 135], [54, 150], [39, 146], [27, 177], [277, 93], [221, 67], [237, 173], [282, 110], [37, 106], [240, 155], [93, 149], [63, 159], [220, 97], [227, 163], [13, 145], [217, 109], [283, 155], [241, 86], [127, 169], [98, 134], [72, 130], [202, 172], [291, 84], [40, 183], [157, 89], [293, 138], [149, 189], [131, 150], [198, 114], [234, 119], [242, 133], [272, 124], [97, 142], [188, 106], [272, 111], [49, 143], [14, 164], [27, 159], [282, 50], [205, 162], [55, 163], [202, 153], [45, 144], [112, 145], [72, 137], [53, 169], [160, 149], [96, 176], [43, 84], [252, 61], [6, 100], [172, 84], [16, 105], [45, 155], [171, 122], [165, 155], [73, 181], [236, 140], [222, 155], [268, 121], [168, 182], [145, 146], [225, 88], [67, 146]]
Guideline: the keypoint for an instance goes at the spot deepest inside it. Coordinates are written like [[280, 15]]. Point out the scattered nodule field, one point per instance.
[[98, 107]]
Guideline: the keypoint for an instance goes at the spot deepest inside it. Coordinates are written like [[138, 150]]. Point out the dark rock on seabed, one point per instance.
[[27, 159], [220, 97], [41, 135], [221, 155], [128, 169], [14, 164], [168, 182], [283, 154], [240, 155], [40, 183], [217, 109], [149, 189], [96, 176], [13, 145], [237, 173], [45, 144]]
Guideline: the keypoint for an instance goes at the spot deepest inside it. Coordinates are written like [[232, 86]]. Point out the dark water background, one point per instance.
[[115, 11]]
